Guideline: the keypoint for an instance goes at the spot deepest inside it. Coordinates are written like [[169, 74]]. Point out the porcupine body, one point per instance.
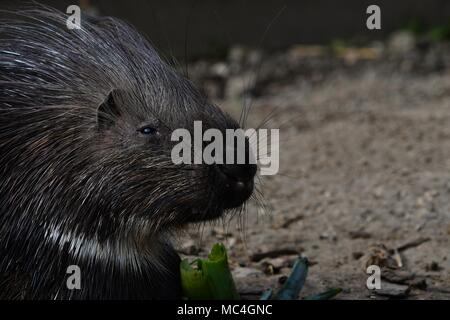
[[86, 176]]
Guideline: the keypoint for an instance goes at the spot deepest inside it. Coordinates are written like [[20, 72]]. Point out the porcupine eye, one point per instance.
[[147, 131]]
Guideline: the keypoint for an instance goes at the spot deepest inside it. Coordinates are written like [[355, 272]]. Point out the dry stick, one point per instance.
[[412, 244], [290, 221]]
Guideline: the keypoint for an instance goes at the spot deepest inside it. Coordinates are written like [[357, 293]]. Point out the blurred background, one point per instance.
[[364, 117], [211, 27]]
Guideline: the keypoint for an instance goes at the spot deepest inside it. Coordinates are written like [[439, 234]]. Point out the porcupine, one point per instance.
[[85, 156]]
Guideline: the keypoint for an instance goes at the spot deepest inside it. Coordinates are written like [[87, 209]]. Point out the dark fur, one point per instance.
[[78, 183]]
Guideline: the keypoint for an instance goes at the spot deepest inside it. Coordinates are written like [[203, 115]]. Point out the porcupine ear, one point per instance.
[[109, 110]]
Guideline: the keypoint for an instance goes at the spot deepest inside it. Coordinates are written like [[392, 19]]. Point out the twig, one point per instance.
[[412, 244]]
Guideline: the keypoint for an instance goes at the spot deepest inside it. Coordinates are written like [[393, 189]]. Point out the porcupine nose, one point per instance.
[[237, 180], [238, 183]]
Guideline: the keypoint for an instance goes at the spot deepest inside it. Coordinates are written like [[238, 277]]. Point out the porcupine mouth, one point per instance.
[[194, 215], [233, 188]]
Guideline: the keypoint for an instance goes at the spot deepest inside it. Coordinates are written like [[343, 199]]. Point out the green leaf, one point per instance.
[[266, 295], [327, 295], [295, 282], [211, 279]]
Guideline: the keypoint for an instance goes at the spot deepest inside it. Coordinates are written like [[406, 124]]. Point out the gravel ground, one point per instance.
[[364, 175]]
